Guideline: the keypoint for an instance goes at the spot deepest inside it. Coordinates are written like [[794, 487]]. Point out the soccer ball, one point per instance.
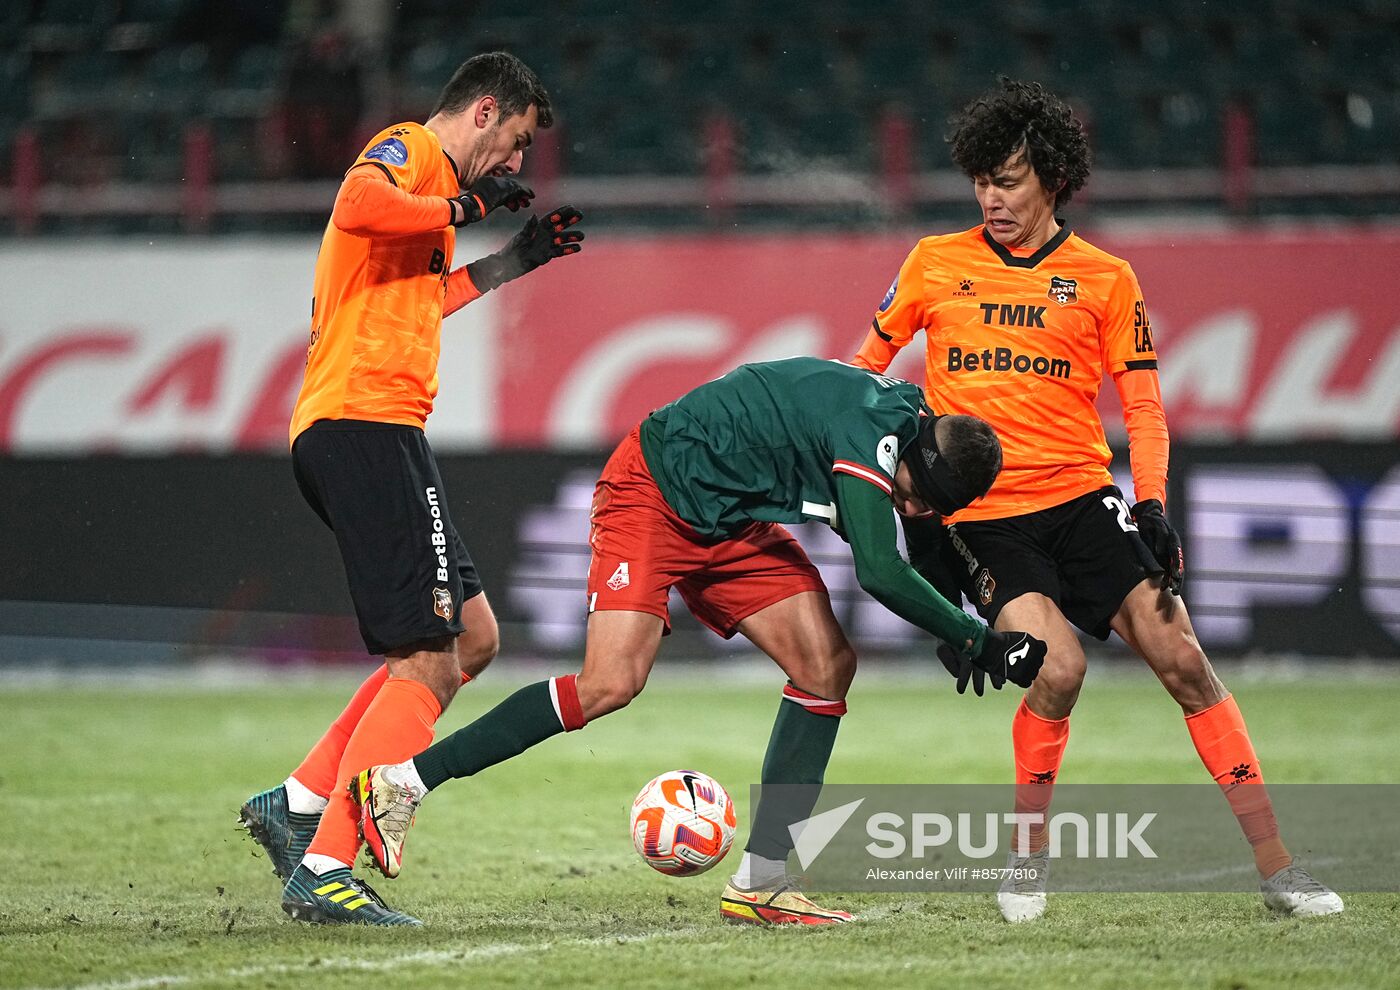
[[682, 823]]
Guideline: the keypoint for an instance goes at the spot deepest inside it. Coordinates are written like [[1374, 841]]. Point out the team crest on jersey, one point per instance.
[[442, 603], [986, 586], [620, 578], [392, 151], [889, 296], [886, 454], [1063, 290]]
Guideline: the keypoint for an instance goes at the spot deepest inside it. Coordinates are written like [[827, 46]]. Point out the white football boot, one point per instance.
[[1293, 891], [1021, 895]]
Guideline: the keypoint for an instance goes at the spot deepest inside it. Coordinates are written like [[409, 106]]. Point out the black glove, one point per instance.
[[538, 242], [485, 195], [1163, 541], [963, 669], [1005, 656]]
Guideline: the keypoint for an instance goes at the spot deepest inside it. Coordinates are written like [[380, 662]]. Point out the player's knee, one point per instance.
[[616, 698], [476, 649], [447, 690], [1190, 679], [831, 676], [444, 683], [1061, 677], [433, 663], [599, 696]]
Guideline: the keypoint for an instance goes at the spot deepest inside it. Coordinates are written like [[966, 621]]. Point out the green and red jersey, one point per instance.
[[803, 440]]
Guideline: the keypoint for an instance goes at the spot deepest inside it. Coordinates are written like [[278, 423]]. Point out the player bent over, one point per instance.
[[694, 498], [383, 283], [1022, 319]]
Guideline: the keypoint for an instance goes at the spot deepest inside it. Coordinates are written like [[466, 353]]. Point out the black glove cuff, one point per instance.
[[466, 208], [1149, 507], [488, 273]]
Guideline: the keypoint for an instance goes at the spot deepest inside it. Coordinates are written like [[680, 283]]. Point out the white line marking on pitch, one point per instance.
[[434, 957]]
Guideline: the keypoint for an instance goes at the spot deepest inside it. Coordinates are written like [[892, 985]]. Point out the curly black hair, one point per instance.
[[993, 127]]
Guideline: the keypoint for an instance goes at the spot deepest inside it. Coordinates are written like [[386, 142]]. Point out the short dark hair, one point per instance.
[[996, 125], [973, 451], [501, 75], [951, 471]]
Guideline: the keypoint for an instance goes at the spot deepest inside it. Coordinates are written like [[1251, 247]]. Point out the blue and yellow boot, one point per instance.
[[283, 834], [338, 897]]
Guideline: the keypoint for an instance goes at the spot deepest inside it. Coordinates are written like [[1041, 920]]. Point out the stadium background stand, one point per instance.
[[107, 88]]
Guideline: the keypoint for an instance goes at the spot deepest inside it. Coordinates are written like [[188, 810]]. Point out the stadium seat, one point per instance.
[[1367, 54], [900, 67], [250, 84], [239, 151], [177, 79], [1370, 122], [430, 65], [1293, 128], [153, 11], [145, 24], [152, 148], [1110, 119], [14, 23], [806, 80], [70, 25], [78, 83], [707, 68], [14, 86], [1190, 130]]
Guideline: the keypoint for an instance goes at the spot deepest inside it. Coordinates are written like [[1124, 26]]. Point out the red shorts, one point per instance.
[[641, 548]]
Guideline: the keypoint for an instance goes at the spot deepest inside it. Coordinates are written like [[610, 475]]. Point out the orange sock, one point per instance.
[[1223, 743], [318, 771], [1039, 745], [396, 725]]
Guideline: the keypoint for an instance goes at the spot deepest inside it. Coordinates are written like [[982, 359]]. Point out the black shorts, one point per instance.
[[376, 485], [1085, 555]]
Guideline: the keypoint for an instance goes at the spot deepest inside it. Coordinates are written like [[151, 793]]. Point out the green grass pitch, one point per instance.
[[124, 868]]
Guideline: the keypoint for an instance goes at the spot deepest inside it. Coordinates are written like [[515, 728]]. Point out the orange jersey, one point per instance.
[[376, 312], [1023, 343]]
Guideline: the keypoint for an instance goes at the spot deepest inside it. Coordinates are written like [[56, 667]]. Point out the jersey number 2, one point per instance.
[[1125, 517]]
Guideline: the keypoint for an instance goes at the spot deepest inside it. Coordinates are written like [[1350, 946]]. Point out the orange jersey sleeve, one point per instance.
[[901, 315], [1149, 446], [1131, 358], [379, 292], [460, 291], [875, 353], [1125, 331], [370, 205]]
